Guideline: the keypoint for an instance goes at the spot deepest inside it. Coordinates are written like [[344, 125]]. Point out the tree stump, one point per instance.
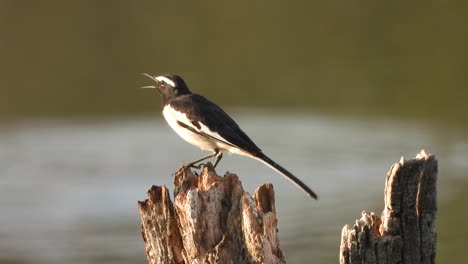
[[212, 220], [405, 233]]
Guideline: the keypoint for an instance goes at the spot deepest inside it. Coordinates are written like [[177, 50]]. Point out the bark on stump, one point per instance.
[[212, 220], [405, 233]]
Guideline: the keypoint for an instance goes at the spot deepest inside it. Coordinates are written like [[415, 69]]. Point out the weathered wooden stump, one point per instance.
[[405, 233], [212, 220]]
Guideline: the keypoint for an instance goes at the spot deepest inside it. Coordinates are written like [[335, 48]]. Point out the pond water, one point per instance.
[[69, 189]]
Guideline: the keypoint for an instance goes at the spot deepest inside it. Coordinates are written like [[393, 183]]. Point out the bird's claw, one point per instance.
[[199, 166]]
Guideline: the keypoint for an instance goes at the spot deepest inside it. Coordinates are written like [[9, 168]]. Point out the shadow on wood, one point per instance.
[[405, 233], [212, 220]]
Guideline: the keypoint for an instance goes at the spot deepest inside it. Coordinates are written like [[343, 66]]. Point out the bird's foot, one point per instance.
[[196, 166]]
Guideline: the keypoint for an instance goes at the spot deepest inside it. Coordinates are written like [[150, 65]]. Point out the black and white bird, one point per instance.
[[205, 125]]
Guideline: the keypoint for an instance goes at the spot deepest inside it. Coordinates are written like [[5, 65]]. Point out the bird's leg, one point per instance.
[[192, 164], [218, 158]]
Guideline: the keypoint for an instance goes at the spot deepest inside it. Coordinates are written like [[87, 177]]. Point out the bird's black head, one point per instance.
[[169, 86]]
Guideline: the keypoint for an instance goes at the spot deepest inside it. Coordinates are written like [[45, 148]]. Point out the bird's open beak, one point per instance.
[[151, 86]]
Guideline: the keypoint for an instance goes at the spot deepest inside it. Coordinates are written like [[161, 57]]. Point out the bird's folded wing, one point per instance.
[[208, 119], [206, 133]]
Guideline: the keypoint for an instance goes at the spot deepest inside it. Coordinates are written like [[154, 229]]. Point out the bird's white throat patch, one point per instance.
[[166, 80]]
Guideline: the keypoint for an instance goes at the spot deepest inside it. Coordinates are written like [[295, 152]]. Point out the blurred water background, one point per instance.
[[335, 91]]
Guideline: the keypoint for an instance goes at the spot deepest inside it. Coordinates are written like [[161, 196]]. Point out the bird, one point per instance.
[[204, 124]]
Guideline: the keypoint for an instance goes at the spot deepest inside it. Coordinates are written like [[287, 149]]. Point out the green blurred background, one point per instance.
[[83, 58], [388, 60]]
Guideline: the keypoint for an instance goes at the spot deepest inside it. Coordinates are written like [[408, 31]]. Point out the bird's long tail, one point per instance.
[[275, 166]]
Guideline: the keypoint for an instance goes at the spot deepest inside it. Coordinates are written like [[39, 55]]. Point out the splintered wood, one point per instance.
[[212, 220], [405, 233]]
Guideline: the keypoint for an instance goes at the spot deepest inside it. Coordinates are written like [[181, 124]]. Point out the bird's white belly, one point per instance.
[[193, 138], [172, 116]]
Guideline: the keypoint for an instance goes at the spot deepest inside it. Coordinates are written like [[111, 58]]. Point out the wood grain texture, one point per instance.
[[212, 220], [405, 232]]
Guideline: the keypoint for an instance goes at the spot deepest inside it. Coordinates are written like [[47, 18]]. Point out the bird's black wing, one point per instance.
[[199, 109]]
